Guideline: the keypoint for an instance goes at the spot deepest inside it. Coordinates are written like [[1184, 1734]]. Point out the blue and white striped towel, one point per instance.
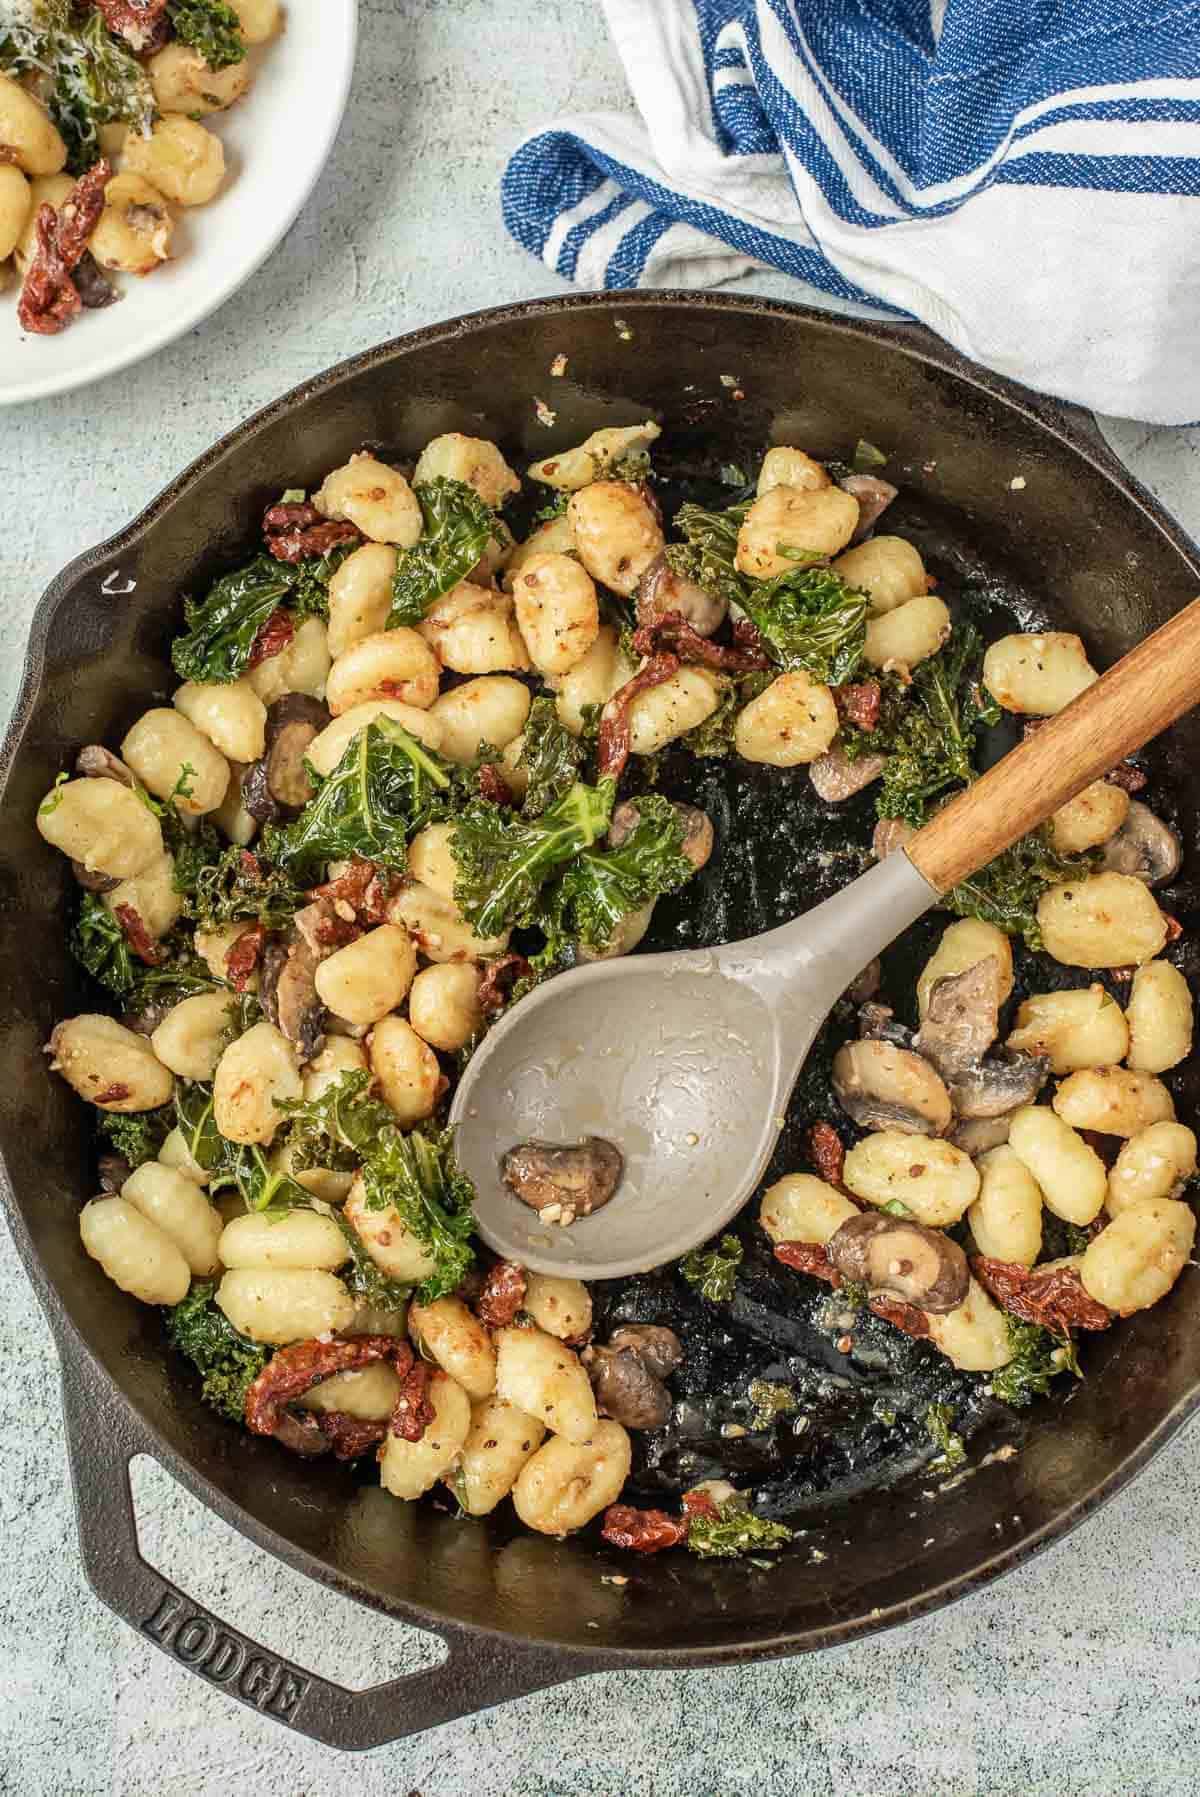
[[1021, 175]]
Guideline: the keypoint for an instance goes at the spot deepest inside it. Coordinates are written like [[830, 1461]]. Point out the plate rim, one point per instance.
[[178, 324]]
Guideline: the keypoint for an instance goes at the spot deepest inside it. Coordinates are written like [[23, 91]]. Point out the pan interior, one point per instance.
[[1067, 548]]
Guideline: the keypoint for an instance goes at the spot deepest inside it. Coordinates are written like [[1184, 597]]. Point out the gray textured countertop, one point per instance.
[[1074, 1676]]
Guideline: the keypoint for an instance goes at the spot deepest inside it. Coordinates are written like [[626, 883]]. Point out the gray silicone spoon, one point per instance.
[[686, 1061]]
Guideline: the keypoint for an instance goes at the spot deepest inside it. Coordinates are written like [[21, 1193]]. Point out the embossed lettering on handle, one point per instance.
[[222, 1656]]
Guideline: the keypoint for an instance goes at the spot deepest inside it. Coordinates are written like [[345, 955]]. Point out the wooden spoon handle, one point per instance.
[[1147, 690]]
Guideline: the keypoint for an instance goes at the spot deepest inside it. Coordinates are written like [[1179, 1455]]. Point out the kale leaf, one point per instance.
[[504, 859], [138, 1135], [939, 1421], [866, 457], [713, 1271], [551, 757], [343, 1120], [386, 787], [808, 617], [734, 1530], [242, 885], [222, 627], [418, 1174], [1038, 1357], [928, 730], [228, 1362], [89, 76], [210, 27], [309, 597], [1007, 890], [600, 886], [100, 945], [458, 528]]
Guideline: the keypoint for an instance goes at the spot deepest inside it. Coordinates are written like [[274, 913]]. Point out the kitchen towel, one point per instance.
[[1023, 176]]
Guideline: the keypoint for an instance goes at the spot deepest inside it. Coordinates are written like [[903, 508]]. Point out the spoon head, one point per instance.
[[672, 1059]]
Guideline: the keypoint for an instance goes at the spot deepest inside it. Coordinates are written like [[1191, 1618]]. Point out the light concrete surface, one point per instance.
[[1075, 1677]]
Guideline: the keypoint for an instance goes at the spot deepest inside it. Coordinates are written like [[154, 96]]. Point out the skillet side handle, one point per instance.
[[479, 1671]]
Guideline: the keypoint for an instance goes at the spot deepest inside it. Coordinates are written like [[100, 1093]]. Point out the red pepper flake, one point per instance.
[[243, 957], [273, 638], [1053, 1297], [49, 297], [502, 1295], [644, 1531], [138, 936]]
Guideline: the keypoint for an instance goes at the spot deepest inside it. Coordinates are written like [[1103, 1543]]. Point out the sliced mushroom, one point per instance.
[[921, 1266], [963, 1018], [145, 1021], [890, 833], [96, 762], [1144, 846], [877, 1023], [662, 590], [998, 1085], [834, 777], [975, 1135], [114, 1170], [874, 497], [570, 1181], [321, 928], [884, 1087], [93, 882], [861, 990], [657, 1346], [288, 995], [626, 1389], [278, 786]]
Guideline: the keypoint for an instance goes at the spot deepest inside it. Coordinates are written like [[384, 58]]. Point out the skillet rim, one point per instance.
[[1072, 428]]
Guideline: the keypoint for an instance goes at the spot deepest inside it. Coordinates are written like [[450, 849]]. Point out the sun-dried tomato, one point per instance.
[[296, 1369], [273, 638], [808, 1257], [493, 786], [242, 959], [1053, 1297], [1174, 927], [497, 976], [138, 936], [746, 635], [699, 1503], [364, 886], [828, 1153], [143, 26], [858, 703], [645, 1531], [293, 531], [612, 749], [350, 1436], [413, 1412], [503, 1294], [902, 1316], [49, 298], [674, 634]]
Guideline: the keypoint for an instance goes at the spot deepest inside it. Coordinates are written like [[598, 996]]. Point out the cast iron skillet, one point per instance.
[[520, 1612]]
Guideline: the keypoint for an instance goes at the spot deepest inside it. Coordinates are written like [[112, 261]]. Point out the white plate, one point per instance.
[[276, 142]]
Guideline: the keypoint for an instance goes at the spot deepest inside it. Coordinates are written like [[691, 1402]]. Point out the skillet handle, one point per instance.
[[480, 1670]]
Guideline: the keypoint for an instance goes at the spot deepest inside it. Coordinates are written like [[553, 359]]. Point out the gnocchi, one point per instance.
[[278, 1305], [557, 611], [1115, 1101], [1038, 674], [174, 761], [390, 1243], [192, 1036], [301, 1238], [1084, 1028], [1159, 1015], [133, 1251], [375, 497], [963, 945], [177, 1206], [1137, 1258], [253, 1072], [616, 534], [360, 596], [1106, 920], [499, 1442], [789, 526], [391, 664], [791, 723], [443, 1006], [541, 1376], [406, 1071], [887, 569], [802, 1208], [473, 630], [102, 825], [1006, 1218], [329, 745], [1154, 1163], [907, 635], [935, 1181], [472, 460], [112, 1067], [409, 1468], [492, 709], [1069, 1173], [370, 976], [565, 1483], [447, 1332]]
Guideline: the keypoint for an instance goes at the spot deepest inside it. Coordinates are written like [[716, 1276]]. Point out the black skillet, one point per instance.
[[1078, 543]]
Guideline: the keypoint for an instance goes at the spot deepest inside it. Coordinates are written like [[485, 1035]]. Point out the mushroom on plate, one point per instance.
[[278, 787], [628, 1371], [960, 1025]]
